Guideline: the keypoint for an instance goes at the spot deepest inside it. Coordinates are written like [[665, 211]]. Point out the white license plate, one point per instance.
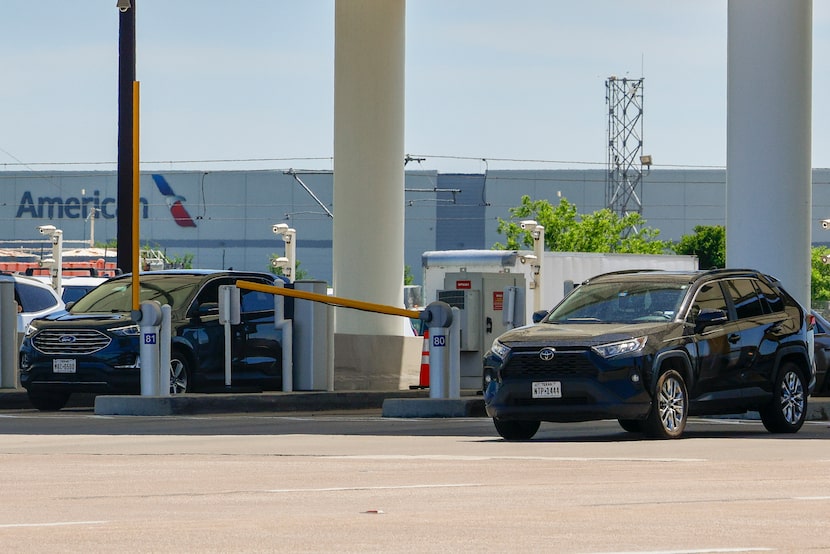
[[63, 366], [547, 389]]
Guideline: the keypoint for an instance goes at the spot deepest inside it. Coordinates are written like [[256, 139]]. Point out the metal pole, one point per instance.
[[8, 333], [126, 76]]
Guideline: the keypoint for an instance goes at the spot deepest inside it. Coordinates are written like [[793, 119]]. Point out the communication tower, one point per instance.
[[624, 179]]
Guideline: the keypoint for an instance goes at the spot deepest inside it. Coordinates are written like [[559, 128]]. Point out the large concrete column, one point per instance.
[[768, 175], [368, 232]]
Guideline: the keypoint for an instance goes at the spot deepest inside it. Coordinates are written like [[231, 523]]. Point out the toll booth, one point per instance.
[[489, 304]]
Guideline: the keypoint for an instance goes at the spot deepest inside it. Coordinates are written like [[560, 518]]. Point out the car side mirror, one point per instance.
[[539, 316], [708, 317]]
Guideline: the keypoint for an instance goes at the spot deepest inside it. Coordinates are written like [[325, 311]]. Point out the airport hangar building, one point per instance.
[[224, 219]]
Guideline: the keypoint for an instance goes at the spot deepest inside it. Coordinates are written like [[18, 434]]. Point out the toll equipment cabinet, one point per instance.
[[489, 304]]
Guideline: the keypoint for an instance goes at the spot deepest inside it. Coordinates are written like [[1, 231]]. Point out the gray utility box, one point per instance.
[[489, 305]]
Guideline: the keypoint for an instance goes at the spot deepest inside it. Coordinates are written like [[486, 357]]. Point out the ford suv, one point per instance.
[[94, 347], [650, 348]]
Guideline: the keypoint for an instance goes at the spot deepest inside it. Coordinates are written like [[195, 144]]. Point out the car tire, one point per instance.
[[788, 409], [516, 430], [179, 372], [631, 425], [48, 401], [669, 408]]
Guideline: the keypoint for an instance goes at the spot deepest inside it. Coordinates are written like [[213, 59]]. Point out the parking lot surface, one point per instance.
[[357, 482]]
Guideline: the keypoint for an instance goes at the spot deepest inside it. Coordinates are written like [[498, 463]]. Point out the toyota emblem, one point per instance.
[[546, 354]]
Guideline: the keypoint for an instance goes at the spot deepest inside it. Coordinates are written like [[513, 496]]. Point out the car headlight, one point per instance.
[[127, 331], [500, 350], [627, 346]]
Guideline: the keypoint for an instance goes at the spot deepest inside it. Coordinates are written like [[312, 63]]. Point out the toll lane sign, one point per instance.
[[439, 341]]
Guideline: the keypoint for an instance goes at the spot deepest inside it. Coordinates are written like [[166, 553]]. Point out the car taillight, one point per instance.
[[811, 321]]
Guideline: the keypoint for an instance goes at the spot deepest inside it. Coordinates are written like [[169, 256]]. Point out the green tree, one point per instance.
[[708, 243], [568, 231], [819, 275]]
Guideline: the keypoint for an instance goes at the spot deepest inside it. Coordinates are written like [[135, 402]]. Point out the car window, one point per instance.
[[116, 295], [256, 301], [771, 302], [744, 297], [709, 296], [620, 302], [33, 298]]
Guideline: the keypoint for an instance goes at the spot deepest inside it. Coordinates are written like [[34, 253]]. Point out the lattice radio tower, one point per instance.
[[624, 179]]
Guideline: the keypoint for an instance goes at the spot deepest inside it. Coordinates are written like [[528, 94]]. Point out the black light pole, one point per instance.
[[126, 76]]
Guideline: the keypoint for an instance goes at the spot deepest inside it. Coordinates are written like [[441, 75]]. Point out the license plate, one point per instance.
[[63, 366], [547, 389]]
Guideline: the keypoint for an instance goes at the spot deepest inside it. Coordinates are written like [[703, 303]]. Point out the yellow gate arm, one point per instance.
[[332, 300]]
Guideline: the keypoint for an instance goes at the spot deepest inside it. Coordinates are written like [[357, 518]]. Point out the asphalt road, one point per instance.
[[356, 482]]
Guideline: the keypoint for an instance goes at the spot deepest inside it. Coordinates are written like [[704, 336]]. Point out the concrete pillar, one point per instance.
[[368, 226], [768, 175]]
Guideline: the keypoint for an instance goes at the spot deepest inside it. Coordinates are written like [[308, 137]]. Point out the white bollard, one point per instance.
[[148, 322], [165, 332], [8, 333]]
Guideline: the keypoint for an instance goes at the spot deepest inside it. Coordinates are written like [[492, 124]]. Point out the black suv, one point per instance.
[[94, 347], [650, 348]]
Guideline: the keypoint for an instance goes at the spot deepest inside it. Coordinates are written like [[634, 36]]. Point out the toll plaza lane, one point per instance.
[[356, 482]]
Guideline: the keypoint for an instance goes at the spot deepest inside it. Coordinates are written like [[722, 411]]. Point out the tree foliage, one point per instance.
[[708, 243], [568, 231], [819, 275]]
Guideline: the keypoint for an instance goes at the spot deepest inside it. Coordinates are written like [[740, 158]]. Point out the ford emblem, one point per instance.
[[546, 354], [65, 339]]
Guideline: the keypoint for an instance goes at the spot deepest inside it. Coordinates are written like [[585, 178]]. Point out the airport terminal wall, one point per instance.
[[224, 219]]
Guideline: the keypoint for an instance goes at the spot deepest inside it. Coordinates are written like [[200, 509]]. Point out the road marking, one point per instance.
[[54, 524], [485, 458], [811, 498], [381, 488], [692, 551]]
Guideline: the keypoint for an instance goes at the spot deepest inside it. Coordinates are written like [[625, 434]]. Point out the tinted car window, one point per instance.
[[256, 301], [709, 297], [772, 302], [747, 303], [33, 298]]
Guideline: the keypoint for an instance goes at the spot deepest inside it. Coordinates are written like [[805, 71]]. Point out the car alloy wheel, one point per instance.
[[670, 407], [179, 374], [788, 409]]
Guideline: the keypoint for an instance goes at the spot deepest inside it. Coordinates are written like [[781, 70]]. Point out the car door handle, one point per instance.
[[734, 338]]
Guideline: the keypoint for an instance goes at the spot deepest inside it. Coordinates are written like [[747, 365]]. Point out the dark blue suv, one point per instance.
[[94, 347], [650, 348]]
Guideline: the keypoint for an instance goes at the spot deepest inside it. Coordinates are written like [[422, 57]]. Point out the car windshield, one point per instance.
[[117, 295], [620, 302]]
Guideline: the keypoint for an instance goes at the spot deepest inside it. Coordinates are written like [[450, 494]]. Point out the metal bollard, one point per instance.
[[149, 317], [8, 333], [438, 316]]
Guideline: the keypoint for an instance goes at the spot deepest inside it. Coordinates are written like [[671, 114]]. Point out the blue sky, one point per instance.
[[253, 80]]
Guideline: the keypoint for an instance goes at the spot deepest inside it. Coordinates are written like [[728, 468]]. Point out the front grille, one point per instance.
[[563, 364], [74, 342]]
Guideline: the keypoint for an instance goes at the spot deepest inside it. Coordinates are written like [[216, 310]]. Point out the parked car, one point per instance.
[[822, 350], [34, 299], [650, 348], [94, 346], [73, 287]]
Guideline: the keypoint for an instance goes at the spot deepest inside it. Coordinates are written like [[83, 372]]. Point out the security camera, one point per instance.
[[528, 258], [282, 261], [46, 229], [825, 223], [825, 259], [123, 5], [528, 225], [279, 228]]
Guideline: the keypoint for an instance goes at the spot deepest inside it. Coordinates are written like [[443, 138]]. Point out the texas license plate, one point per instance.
[[62, 365], [547, 389]]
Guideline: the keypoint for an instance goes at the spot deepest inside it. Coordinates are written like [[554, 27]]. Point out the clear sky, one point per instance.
[[485, 79]]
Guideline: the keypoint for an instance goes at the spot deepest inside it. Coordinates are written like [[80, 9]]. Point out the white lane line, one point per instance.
[[379, 488], [54, 524], [811, 498], [542, 458], [693, 551]]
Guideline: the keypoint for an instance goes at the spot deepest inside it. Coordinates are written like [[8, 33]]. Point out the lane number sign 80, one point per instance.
[[439, 340]]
